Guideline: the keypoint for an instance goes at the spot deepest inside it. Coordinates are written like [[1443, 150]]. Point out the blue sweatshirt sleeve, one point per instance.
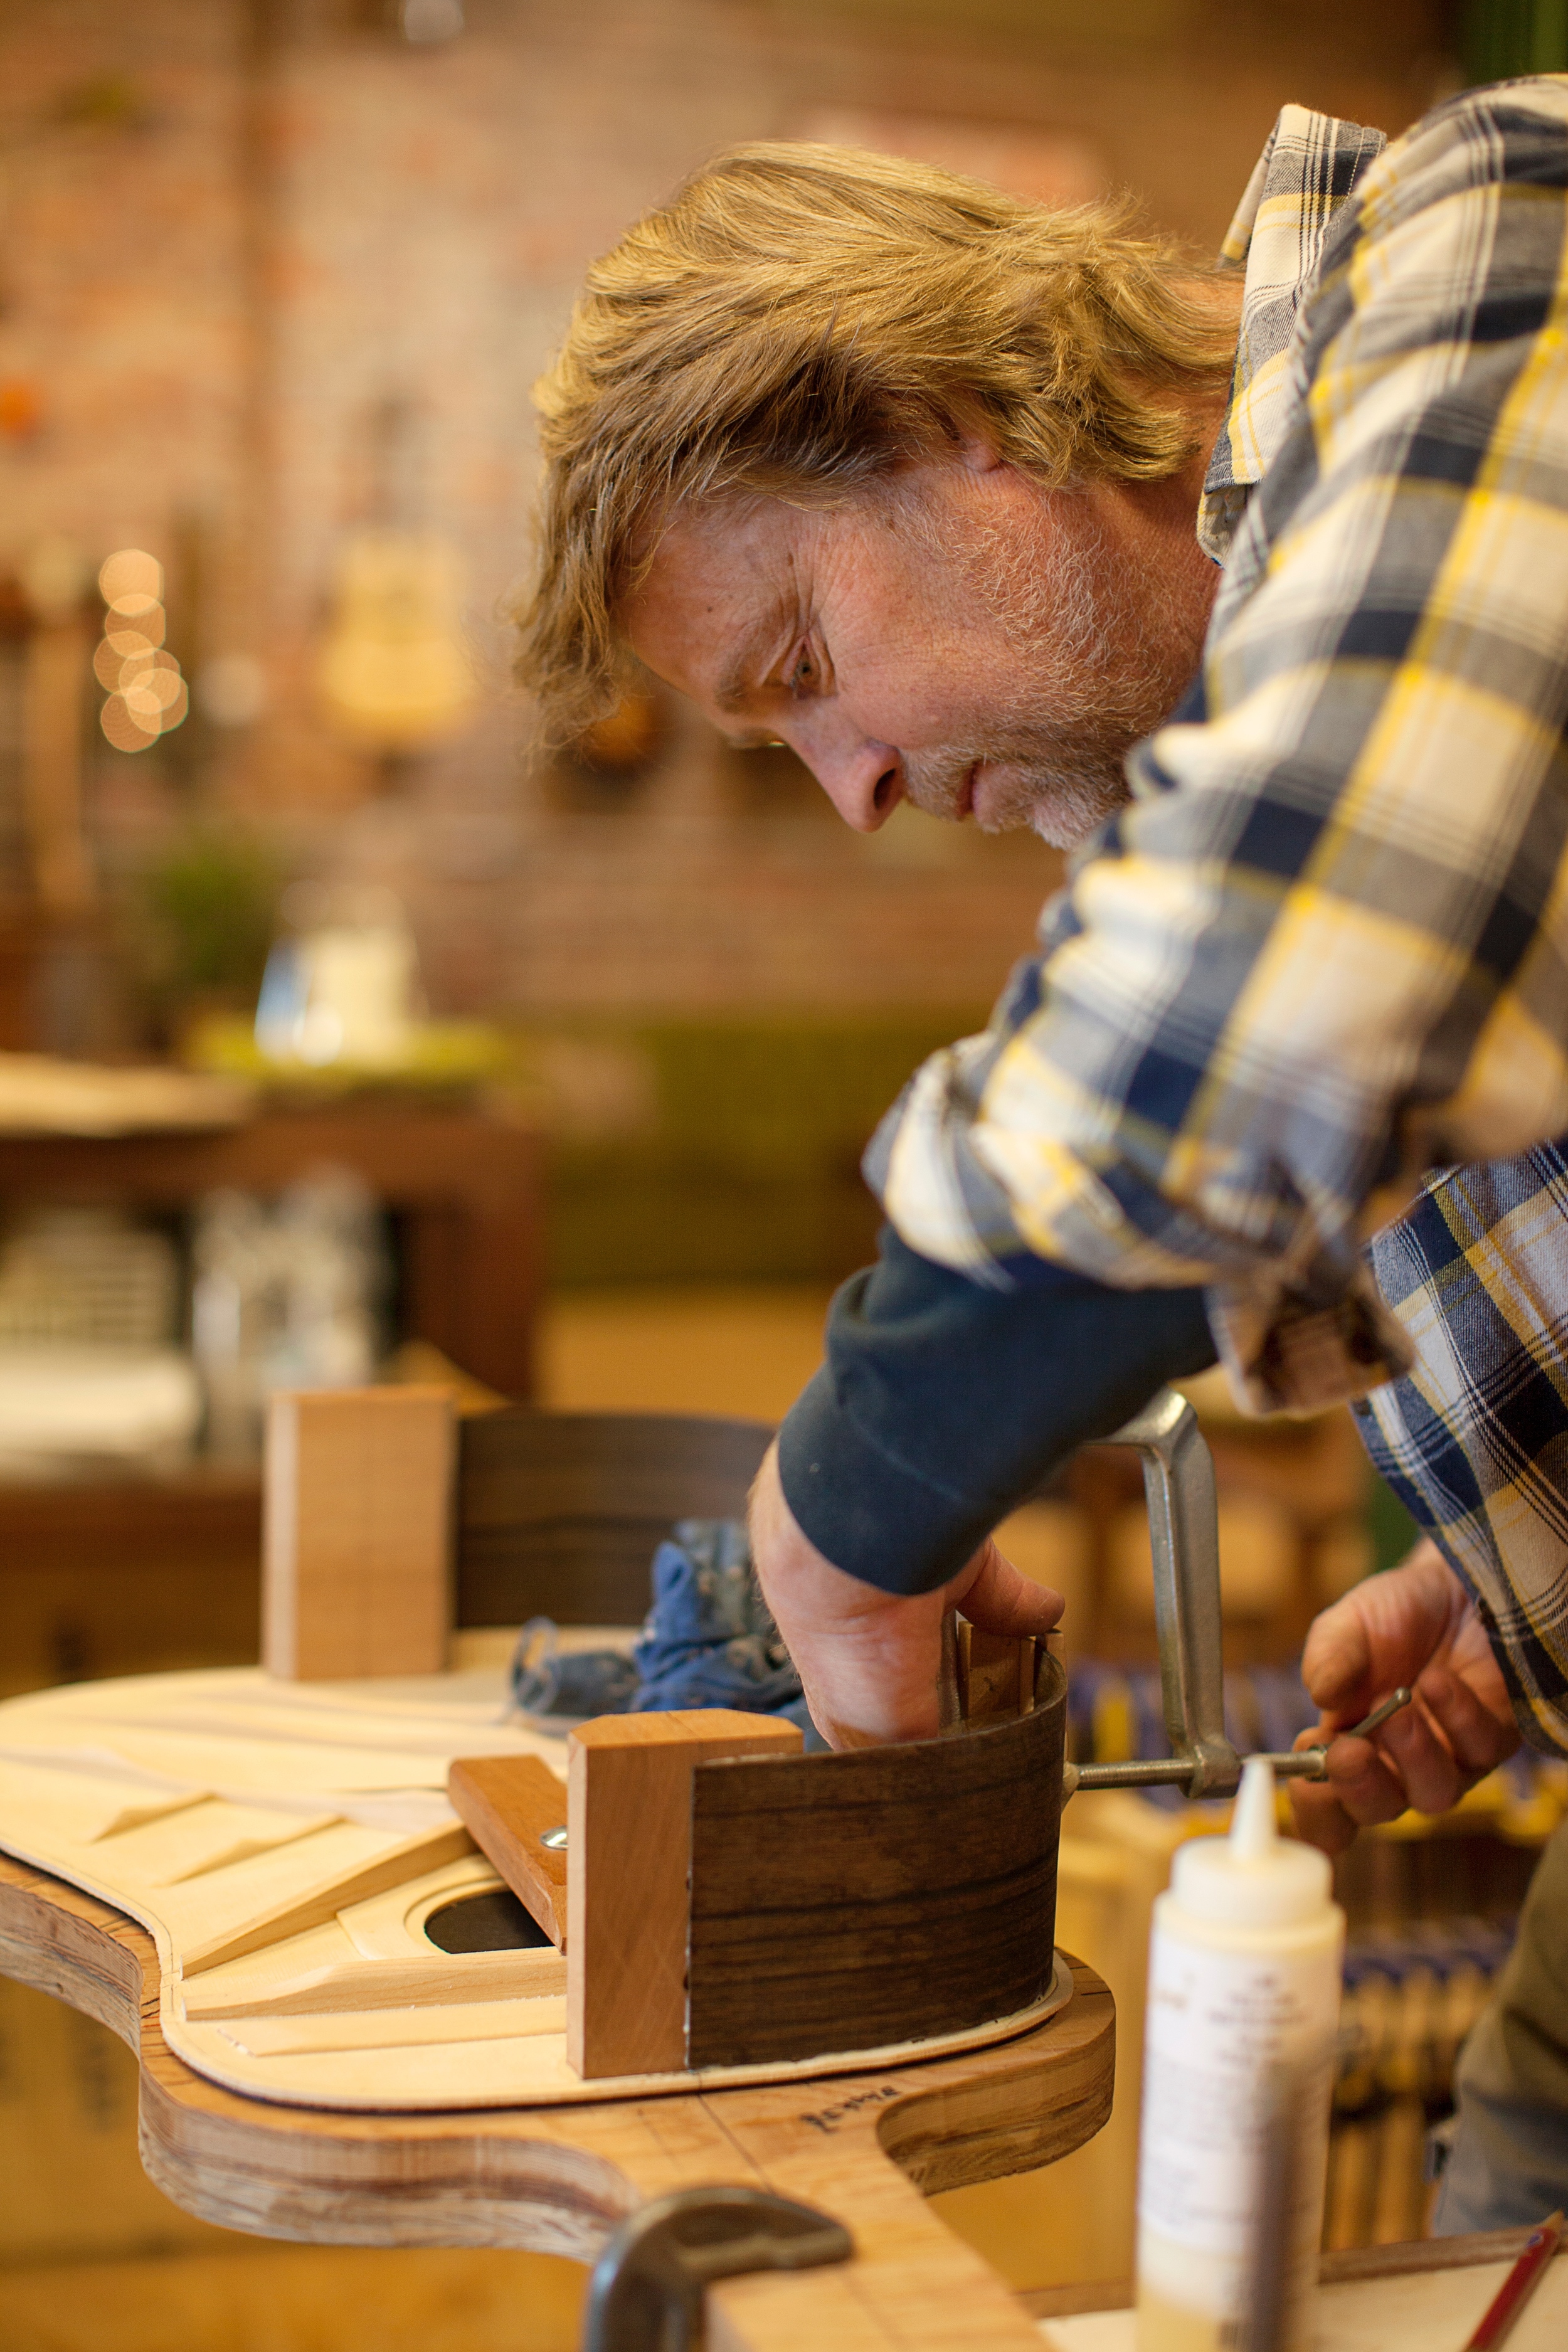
[[943, 1404]]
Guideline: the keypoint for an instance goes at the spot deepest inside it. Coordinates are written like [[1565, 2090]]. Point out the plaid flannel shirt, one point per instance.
[[1326, 947], [1474, 1440]]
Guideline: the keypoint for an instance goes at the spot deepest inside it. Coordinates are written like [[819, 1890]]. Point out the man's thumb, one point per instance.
[[1001, 1601], [1338, 1654]]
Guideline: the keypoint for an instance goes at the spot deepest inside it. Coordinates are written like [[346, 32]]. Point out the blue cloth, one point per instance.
[[708, 1639], [572, 1686]]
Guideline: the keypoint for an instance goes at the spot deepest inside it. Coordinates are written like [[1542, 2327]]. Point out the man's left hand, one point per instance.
[[870, 1662], [1413, 1624]]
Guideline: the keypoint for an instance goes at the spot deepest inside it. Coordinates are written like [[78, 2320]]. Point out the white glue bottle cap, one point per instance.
[[1254, 1877]]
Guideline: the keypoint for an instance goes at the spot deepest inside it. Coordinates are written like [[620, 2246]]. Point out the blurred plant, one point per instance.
[[209, 909]]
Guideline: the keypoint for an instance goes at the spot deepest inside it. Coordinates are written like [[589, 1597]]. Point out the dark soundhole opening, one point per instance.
[[494, 1921]]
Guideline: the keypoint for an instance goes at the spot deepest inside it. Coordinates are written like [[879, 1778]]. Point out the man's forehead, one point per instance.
[[724, 539], [719, 589]]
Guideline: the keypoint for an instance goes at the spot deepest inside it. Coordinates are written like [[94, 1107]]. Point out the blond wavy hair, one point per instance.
[[797, 322]]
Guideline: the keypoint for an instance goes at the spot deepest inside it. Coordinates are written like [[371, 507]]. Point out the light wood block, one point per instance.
[[994, 1677], [628, 1816], [357, 1533], [509, 1802]]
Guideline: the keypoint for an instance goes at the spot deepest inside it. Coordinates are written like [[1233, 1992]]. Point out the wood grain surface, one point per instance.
[[291, 1841], [629, 1811], [559, 1513], [508, 1803], [852, 1900], [356, 1575], [861, 2145]]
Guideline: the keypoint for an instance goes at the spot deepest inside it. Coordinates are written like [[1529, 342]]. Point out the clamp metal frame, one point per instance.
[[1183, 1531]]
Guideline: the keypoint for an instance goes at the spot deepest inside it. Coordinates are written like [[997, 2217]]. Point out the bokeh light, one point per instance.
[[147, 695], [131, 580]]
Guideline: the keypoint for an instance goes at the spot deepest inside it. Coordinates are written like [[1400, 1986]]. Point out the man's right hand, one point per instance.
[[1413, 1624]]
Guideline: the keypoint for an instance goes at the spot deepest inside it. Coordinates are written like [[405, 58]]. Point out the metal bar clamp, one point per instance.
[[647, 2287], [1183, 1531]]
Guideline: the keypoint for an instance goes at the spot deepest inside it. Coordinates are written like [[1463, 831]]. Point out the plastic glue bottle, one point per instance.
[[1243, 2010]]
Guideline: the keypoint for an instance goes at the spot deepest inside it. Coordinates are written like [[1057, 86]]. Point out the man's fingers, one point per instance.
[[1320, 1819], [1420, 1761], [1337, 1660], [1363, 1782], [1382, 1634], [1000, 1600], [1478, 1739]]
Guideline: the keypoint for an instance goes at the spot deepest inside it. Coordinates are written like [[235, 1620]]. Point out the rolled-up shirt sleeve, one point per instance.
[[1326, 947]]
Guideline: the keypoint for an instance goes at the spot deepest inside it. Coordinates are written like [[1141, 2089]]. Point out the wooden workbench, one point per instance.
[[1422, 2296], [868, 2147]]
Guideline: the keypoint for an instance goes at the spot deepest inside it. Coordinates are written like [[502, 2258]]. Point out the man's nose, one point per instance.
[[865, 783]]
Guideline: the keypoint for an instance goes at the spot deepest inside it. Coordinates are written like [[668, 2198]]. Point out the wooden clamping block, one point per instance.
[[357, 1533], [509, 1803], [628, 1813], [995, 1674]]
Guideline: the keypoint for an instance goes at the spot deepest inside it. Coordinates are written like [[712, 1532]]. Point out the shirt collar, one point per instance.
[[1310, 166]]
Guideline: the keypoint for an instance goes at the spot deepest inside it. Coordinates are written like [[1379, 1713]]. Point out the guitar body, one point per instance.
[[867, 2147], [328, 1933]]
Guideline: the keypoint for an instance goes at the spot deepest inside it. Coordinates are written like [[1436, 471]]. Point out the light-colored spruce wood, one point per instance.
[[404, 1861], [421, 1984], [357, 1532], [508, 1803], [628, 1811], [862, 2145], [94, 1780]]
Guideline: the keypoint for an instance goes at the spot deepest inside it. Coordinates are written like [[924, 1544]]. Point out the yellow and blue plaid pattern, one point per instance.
[[1326, 947], [1474, 1440]]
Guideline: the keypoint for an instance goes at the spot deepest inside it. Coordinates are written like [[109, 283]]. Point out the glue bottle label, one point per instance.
[[1221, 2031]]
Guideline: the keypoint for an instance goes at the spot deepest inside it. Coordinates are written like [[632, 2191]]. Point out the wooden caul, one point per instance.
[[288, 1846]]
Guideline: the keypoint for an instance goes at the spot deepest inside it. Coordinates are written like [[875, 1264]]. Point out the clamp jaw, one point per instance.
[[1183, 1529], [645, 2291]]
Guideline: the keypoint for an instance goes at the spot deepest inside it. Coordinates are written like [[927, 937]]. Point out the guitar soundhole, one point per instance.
[[492, 1922]]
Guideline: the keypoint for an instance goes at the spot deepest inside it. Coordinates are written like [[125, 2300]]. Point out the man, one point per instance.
[[904, 474]]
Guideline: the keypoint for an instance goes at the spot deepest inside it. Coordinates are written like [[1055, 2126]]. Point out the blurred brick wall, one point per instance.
[[232, 227]]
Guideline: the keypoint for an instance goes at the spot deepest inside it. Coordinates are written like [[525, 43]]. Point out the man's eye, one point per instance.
[[802, 671]]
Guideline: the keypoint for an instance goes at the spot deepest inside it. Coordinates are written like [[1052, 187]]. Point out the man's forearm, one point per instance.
[[942, 1404]]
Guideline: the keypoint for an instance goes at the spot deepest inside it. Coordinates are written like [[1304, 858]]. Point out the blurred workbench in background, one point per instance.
[[123, 1575]]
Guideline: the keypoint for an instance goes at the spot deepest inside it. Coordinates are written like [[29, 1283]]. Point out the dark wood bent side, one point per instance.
[[844, 1902], [559, 1513]]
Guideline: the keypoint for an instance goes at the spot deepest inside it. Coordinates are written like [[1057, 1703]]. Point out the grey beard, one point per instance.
[[1058, 791], [1102, 660], [1067, 809]]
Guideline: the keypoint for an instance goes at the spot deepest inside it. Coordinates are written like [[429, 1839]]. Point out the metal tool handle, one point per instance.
[[1184, 1534], [645, 2291]]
